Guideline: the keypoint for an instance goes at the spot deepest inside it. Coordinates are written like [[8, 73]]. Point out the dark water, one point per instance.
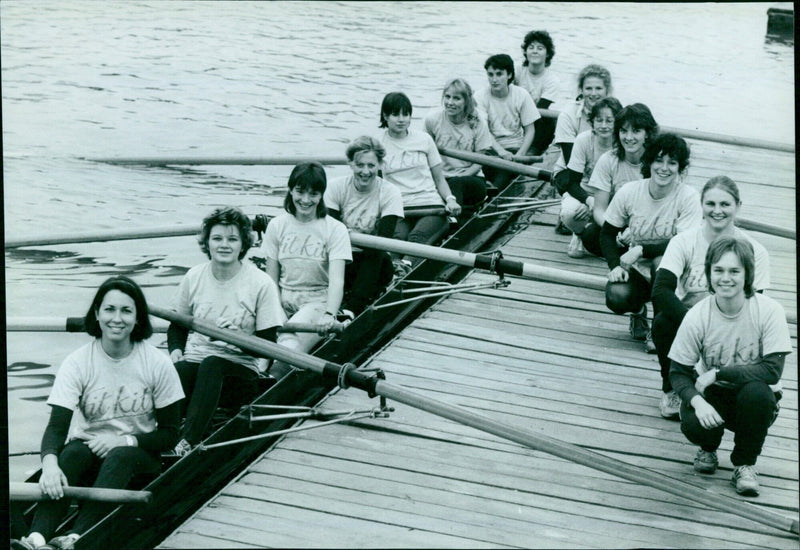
[[94, 79]]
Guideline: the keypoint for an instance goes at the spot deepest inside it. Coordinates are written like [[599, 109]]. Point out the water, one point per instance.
[[94, 79]]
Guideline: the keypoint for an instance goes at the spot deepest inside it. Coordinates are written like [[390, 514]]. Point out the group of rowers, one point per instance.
[[721, 342]]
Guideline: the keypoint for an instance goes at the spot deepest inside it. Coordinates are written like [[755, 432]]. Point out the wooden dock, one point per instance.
[[543, 356]]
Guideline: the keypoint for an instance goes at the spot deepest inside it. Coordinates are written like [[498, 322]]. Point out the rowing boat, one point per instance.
[[188, 482]]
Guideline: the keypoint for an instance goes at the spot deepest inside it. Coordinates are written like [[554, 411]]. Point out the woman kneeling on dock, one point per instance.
[[306, 251], [684, 263], [370, 205], [413, 164], [233, 295], [127, 397], [653, 210], [727, 362]]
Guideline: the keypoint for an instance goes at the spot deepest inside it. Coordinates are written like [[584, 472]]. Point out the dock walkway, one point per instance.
[[543, 356]]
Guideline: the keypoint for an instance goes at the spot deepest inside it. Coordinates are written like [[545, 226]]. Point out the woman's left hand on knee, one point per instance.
[[101, 445]]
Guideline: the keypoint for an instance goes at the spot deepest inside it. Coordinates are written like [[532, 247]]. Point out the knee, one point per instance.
[[210, 366], [619, 297], [663, 329], [756, 396], [121, 457]]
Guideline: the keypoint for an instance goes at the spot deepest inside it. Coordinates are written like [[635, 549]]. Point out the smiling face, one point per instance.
[[727, 276], [224, 244], [664, 171], [603, 123], [719, 209], [454, 103], [365, 169], [116, 317], [632, 140], [536, 53], [305, 202], [593, 90]]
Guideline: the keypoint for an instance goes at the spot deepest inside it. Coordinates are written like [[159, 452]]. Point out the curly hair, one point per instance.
[[501, 62], [611, 103], [461, 87], [311, 176], [142, 330], [597, 71], [227, 215], [665, 144], [639, 117], [743, 250], [543, 38]]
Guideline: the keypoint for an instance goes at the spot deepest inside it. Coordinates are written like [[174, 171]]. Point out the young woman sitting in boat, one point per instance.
[[233, 295], [652, 210], [126, 395], [510, 114], [457, 126], [727, 362], [572, 180], [306, 251], [534, 75], [367, 204], [413, 164], [634, 129], [681, 281]]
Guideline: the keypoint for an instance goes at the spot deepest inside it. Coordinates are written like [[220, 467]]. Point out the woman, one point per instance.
[[458, 126], [652, 210], [232, 294], [544, 86], [306, 251], [366, 204], [634, 129], [727, 362], [684, 263], [413, 164], [126, 394], [572, 180]]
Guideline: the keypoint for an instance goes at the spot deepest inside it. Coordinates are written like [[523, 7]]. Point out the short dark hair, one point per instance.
[[639, 117], [227, 215], [501, 62], [609, 102], [665, 144], [394, 103], [307, 175], [142, 330], [743, 250], [543, 38]]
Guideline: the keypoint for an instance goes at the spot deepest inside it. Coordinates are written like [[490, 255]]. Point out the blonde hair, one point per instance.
[[461, 87]]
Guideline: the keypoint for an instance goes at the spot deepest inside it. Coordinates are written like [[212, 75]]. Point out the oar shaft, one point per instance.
[[496, 162], [308, 327], [762, 227], [219, 161], [56, 324], [101, 236], [32, 492]]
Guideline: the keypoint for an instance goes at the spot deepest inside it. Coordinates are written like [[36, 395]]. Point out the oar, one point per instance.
[[32, 492], [762, 227], [57, 324], [218, 161], [496, 162], [309, 327], [347, 376]]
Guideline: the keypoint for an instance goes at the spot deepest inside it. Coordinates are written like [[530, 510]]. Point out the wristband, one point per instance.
[[450, 197]]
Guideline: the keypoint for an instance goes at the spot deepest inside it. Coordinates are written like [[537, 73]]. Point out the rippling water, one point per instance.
[[96, 79]]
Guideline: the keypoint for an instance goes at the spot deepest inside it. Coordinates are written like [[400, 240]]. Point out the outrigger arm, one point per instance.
[[348, 375]]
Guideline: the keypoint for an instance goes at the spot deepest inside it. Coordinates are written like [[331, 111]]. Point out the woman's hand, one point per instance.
[[618, 275], [505, 154], [705, 380], [452, 206], [624, 238], [101, 445], [707, 415], [176, 355], [224, 322], [52, 481], [630, 257], [326, 323], [583, 212]]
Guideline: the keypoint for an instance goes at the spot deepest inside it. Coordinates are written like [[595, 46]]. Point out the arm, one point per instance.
[[274, 269], [176, 341], [566, 150], [451, 204], [543, 103], [52, 481], [335, 285], [165, 436], [608, 244], [569, 181], [682, 378], [601, 200], [664, 298], [386, 226], [527, 140], [769, 370], [654, 250]]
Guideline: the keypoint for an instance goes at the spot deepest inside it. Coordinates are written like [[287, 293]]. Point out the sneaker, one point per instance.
[[638, 325], [670, 405], [649, 345], [22, 544], [345, 316], [401, 268], [705, 462], [64, 542], [562, 229], [575, 248], [745, 479], [183, 448]]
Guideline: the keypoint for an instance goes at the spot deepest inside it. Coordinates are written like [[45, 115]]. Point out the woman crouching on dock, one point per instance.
[[127, 397], [740, 339], [684, 263], [233, 295]]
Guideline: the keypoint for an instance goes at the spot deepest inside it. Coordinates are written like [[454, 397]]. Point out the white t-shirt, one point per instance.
[[709, 339], [361, 211], [610, 173], [304, 250], [457, 136], [543, 85], [685, 257], [408, 164], [508, 115], [585, 153], [114, 396], [249, 300], [571, 122]]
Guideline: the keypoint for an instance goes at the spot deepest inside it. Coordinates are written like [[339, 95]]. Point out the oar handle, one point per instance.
[[337, 328], [32, 492], [497, 162]]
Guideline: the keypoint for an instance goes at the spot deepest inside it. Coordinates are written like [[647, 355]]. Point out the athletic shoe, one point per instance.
[[745, 479], [345, 316], [401, 268], [64, 542], [562, 229], [183, 448], [638, 325], [649, 345], [705, 462], [575, 248], [670, 405], [22, 544]]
